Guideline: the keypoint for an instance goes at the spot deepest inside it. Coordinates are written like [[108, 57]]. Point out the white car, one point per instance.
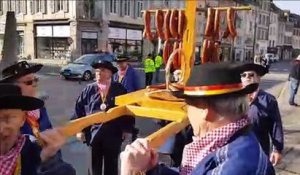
[[272, 57]]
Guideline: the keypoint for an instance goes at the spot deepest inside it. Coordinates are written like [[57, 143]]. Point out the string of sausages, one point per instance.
[[170, 26], [211, 42]]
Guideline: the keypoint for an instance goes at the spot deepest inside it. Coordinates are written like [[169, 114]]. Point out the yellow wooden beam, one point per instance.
[[157, 113], [205, 9], [153, 103], [159, 137], [75, 126], [131, 98]]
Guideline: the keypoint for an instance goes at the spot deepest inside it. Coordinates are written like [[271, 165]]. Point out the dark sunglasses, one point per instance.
[[247, 75], [30, 82]]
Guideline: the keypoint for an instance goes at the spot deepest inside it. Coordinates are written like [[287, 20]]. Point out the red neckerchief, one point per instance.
[[194, 152], [8, 162], [121, 74], [32, 119], [103, 90]]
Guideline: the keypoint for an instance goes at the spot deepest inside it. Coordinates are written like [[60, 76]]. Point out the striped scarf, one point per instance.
[[8, 162]]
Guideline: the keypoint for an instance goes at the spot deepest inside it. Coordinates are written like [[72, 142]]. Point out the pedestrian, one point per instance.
[[129, 78], [294, 78], [18, 154], [158, 61], [23, 74], [126, 74], [104, 139], [223, 142], [149, 68], [264, 114]]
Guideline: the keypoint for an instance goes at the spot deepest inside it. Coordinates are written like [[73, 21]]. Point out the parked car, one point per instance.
[[272, 57], [82, 66]]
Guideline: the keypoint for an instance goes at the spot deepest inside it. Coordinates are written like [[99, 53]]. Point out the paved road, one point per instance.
[[64, 93]]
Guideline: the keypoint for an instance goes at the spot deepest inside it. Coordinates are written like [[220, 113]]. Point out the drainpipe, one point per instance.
[[254, 37]]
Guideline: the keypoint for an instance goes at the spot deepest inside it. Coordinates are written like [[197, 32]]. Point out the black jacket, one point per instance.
[[295, 70]]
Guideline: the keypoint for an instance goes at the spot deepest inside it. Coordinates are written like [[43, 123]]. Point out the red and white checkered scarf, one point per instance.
[[8, 162], [194, 152], [35, 114]]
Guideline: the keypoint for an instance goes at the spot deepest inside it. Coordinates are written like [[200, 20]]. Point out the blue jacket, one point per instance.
[[241, 156], [89, 102], [31, 162], [266, 119], [43, 121], [130, 81]]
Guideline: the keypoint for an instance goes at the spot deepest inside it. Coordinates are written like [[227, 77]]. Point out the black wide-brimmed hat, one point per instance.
[[121, 58], [18, 70], [259, 69], [105, 64], [11, 98], [211, 79]]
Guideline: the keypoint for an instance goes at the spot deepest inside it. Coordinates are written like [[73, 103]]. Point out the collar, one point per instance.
[[194, 152]]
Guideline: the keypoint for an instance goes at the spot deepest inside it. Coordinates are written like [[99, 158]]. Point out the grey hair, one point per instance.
[[229, 106]]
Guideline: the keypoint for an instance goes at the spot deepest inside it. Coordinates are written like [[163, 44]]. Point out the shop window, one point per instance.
[[113, 6], [52, 48], [1, 6], [89, 8]]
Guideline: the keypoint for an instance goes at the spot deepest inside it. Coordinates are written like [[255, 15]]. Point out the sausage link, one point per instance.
[[167, 25], [209, 29], [230, 22], [174, 23], [159, 22], [182, 23]]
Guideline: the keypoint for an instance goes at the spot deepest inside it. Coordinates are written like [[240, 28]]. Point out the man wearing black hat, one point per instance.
[[18, 154], [105, 139], [24, 76], [128, 77], [264, 114], [223, 142]]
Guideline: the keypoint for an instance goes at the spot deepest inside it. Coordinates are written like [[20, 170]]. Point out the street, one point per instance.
[[63, 95]]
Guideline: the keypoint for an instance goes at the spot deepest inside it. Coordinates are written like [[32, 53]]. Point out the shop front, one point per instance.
[[89, 42], [124, 41], [52, 42]]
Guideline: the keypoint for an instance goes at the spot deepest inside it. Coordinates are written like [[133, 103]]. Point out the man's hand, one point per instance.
[[53, 140], [80, 136], [275, 158], [137, 157]]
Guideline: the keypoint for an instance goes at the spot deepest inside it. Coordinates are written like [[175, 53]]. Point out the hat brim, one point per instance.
[[118, 60], [31, 69], [259, 69], [101, 65], [244, 91], [20, 102]]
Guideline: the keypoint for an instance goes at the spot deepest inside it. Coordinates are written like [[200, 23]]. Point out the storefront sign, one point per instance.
[[117, 33], [61, 31], [134, 34], [89, 35], [44, 31]]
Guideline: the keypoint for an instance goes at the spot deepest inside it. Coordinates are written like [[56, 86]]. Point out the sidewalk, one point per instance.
[[290, 117]]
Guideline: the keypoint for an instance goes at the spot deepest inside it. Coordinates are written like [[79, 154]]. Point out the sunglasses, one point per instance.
[[30, 82], [250, 75]]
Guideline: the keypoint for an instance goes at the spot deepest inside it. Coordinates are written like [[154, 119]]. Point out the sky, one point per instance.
[[293, 6]]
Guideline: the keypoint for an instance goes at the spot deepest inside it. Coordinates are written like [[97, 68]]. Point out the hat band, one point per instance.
[[213, 90]]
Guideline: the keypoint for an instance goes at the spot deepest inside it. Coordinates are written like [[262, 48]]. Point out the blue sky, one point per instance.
[[293, 6]]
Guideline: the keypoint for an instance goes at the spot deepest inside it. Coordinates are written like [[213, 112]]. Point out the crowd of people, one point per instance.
[[235, 126]]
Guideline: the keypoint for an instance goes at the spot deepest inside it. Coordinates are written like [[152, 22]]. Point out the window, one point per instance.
[[126, 7], [273, 43], [259, 19], [61, 5], [113, 6], [20, 43], [39, 6], [139, 8], [1, 6], [250, 27], [166, 3]]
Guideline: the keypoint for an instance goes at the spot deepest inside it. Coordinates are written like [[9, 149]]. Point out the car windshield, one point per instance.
[[86, 59]]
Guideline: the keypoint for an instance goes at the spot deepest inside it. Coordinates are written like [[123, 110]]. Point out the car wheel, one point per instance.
[[87, 75]]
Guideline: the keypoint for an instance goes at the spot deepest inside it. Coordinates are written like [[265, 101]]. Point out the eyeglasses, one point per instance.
[[250, 75], [30, 82]]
